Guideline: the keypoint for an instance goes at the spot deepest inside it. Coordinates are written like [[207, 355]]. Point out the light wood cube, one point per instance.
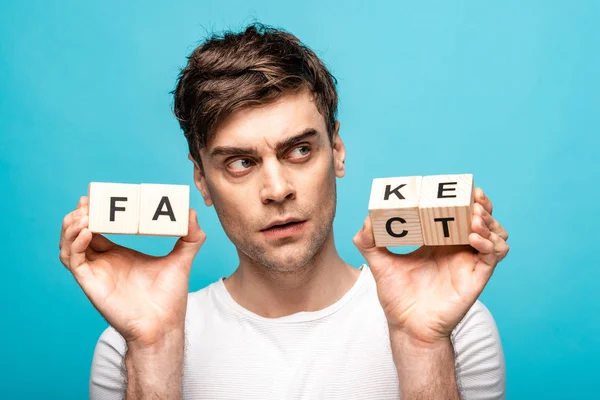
[[446, 207], [113, 207], [394, 211], [164, 209]]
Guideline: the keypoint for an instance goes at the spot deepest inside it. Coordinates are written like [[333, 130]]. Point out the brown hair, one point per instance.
[[250, 68]]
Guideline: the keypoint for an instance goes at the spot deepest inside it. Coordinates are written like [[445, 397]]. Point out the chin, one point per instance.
[[296, 256], [288, 260]]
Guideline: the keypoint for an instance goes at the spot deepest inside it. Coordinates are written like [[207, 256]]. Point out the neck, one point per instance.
[[273, 294]]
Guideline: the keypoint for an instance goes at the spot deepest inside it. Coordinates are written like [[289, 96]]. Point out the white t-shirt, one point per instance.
[[340, 352]]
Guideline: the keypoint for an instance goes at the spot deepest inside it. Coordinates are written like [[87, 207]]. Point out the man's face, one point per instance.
[[271, 174]]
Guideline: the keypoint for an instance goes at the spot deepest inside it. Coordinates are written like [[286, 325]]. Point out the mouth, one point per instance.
[[282, 224], [284, 229]]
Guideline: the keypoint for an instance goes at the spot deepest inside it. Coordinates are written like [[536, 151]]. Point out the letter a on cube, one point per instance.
[[113, 207], [445, 206], [393, 207], [164, 209]]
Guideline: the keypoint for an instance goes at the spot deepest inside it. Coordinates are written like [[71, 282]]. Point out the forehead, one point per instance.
[[267, 125]]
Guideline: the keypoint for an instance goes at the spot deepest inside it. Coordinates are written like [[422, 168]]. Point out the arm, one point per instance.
[[427, 294], [471, 364], [425, 371], [121, 371], [155, 372], [142, 297]]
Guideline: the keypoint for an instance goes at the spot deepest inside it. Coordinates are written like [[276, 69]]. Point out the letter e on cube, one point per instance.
[[446, 206]]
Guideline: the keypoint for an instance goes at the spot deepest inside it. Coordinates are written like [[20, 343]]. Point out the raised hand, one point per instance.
[[426, 293], [143, 297]]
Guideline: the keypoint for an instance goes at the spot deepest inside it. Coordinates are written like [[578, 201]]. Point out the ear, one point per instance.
[[200, 181], [339, 152]]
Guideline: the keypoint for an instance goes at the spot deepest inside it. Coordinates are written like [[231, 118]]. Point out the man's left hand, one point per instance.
[[426, 293]]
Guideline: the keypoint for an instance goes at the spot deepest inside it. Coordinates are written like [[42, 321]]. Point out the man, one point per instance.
[[294, 321]]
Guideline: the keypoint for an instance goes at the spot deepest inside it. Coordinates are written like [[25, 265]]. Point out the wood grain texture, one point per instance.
[[122, 216], [394, 211], [446, 197], [164, 209]]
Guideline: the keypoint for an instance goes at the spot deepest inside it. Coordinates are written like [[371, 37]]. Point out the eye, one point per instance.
[[300, 152], [240, 165]]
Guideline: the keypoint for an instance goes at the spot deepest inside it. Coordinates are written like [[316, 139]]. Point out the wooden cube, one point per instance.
[[394, 211], [164, 209], [113, 207], [445, 207]]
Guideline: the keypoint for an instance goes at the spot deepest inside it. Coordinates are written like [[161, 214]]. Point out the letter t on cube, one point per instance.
[[394, 211]]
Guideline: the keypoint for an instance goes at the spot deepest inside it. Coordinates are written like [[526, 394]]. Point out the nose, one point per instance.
[[277, 186]]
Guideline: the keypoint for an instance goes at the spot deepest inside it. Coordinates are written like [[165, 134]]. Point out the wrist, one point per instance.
[[157, 342], [165, 353], [415, 345], [413, 355]]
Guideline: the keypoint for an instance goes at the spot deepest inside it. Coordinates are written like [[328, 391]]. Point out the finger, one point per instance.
[[69, 236], [64, 257], [84, 201], [100, 243], [484, 268], [91, 254], [490, 221], [378, 258], [488, 260], [480, 227], [501, 248], [491, 255], [494, 254], [187, 247], [78, 249], [482, 245], [482, 199], [69, 219]]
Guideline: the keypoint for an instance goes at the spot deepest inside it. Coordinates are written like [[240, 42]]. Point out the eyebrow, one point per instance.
[[233, 151]]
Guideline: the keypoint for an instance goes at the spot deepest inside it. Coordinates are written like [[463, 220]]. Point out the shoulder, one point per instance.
[[477, 324], [479, 357], [107, 375], [203, 295], [477, 313]]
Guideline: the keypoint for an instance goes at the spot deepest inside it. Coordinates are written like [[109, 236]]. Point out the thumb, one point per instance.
[[187, 247], [378, 258]]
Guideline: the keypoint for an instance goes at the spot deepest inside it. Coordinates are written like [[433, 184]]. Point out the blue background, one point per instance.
[[508, 91]]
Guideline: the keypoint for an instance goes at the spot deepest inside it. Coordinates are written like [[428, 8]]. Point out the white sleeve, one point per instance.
[[107, 379], [479, 357]]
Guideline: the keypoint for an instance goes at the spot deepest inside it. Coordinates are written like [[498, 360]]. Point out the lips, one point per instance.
[[281, 222]]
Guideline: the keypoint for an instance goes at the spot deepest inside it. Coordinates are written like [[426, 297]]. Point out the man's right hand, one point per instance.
[[143, 297]]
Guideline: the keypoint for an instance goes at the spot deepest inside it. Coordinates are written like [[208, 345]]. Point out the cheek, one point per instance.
[[233, 205], [230, 204], [317, 185], [322, 176]]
